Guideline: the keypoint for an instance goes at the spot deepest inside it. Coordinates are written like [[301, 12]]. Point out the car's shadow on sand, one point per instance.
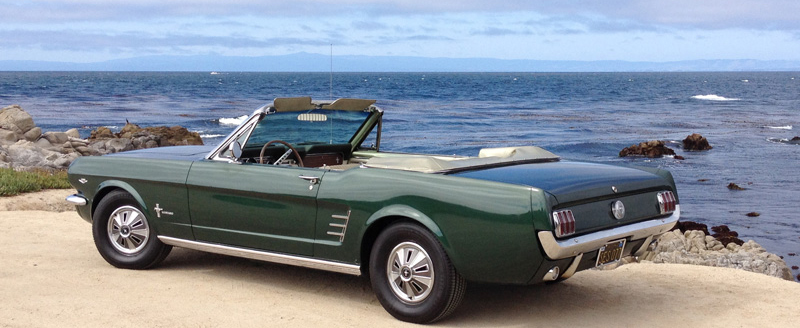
[[586, 299]]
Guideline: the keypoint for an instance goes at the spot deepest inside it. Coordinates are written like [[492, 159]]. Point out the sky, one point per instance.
[[586, 30]]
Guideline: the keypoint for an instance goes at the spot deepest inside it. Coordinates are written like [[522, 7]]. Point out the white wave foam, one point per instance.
[[713, 98], [210, 136], [785, 127], [233, 121]]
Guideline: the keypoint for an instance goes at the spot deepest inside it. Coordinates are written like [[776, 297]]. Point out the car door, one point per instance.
[[265, 207]]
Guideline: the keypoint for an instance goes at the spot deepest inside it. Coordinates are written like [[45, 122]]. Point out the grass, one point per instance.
[[17, 182]]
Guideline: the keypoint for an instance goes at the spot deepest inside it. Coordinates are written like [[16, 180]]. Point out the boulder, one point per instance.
[[24, 146], [73, 133], [651, 149], [56, 138], [132, 136], [101, 133], [696, 142], [733, 186], [725, 236], [4, 160], [33, 134], [8, 137], [15, 119], [684, 226], [26, 155], [695, 247]]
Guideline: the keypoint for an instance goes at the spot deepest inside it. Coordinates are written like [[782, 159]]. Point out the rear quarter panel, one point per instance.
[[485, 227]]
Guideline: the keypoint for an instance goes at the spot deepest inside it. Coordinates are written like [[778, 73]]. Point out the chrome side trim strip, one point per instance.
[[78, 200], [264, 256], [556, 249]]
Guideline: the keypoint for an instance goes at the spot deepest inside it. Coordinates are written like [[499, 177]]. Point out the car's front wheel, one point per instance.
[[412, 275], [123, 235]]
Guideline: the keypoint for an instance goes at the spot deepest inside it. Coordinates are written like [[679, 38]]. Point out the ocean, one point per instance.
[[748, 117]]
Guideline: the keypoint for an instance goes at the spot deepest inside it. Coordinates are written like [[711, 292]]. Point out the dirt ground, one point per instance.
[[52, 276]]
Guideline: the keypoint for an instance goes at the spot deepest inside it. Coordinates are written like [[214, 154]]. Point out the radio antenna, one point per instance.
[[331, 81]]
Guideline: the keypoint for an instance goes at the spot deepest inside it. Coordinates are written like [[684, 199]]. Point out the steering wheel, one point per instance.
[[283, 157]]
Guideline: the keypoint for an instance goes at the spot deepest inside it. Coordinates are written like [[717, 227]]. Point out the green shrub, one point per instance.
[[18, 182]]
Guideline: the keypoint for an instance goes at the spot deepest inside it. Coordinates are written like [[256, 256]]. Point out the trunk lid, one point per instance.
[[586, 190], [571, 182]]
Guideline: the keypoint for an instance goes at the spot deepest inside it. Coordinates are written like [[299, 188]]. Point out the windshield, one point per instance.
[[308, 127]]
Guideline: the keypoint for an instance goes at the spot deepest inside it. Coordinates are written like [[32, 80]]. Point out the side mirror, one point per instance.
[[236, 150]]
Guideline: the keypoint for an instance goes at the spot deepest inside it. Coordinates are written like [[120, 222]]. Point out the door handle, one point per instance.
[[312, 180]]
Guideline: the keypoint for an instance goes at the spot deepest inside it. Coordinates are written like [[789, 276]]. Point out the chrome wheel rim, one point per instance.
[[128, 230], [410, 272]]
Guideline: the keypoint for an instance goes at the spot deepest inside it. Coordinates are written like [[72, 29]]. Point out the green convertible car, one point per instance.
[[305, 183]]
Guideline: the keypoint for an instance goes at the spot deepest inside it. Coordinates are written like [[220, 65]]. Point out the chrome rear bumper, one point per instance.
[[575, 246]]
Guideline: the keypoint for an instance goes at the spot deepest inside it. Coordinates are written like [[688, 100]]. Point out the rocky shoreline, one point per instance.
[[698, 248], [23, 146]]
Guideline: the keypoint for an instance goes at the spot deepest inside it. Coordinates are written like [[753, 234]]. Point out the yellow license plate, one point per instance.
[[610, 253]]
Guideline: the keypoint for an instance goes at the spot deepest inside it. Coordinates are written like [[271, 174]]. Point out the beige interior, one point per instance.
[[432, 163]]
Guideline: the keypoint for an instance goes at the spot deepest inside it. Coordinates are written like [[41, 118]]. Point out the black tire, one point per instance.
[[123, 235], [409, 297]]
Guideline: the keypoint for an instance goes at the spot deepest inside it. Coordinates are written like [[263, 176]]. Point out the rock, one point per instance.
[[684, 226], [794, 267], [8, 137], [43, 143], [24, 146], [33, 134], [733, 186], [73, 133], [15, 119], [797, 138], [753, 214], [695, 247], [26, 155], [651, 149], [679, 157], [696, 142], [725, 236], [132, 136], [56, 138], [101, 133]]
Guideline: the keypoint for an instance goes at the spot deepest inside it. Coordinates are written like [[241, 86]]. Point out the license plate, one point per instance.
[[611, 252]]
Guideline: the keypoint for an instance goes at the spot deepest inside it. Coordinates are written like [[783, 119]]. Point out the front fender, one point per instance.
[[108, 186]]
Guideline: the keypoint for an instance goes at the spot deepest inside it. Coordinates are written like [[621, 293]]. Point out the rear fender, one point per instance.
[[410, 213]]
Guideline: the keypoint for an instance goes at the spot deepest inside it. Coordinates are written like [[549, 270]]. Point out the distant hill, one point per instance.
[[305, 62]]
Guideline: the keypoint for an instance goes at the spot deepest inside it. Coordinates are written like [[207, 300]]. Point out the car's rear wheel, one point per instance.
[[123, 235], [412, 275]]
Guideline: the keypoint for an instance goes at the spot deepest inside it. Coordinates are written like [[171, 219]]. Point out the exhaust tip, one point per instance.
[[552, 274]]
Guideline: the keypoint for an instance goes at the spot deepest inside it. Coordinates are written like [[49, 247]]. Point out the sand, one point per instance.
[[52, 276]]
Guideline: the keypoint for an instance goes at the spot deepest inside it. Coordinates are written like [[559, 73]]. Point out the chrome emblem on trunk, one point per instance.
[[618, 209]]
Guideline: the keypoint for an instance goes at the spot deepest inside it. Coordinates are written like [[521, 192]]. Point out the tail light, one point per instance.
[[666, 202], [564, 222]]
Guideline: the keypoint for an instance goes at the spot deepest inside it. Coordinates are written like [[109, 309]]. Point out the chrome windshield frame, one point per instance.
[[246, 128]]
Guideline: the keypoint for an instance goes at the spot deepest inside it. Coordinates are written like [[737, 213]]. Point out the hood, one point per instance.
[[573, 181], [188, 153]]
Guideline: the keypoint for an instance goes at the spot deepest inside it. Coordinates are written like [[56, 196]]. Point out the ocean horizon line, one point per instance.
[[318, 63]]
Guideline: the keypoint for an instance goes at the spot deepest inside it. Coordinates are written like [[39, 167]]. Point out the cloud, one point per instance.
[[639, 14], [71, 40], [498, 31]]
